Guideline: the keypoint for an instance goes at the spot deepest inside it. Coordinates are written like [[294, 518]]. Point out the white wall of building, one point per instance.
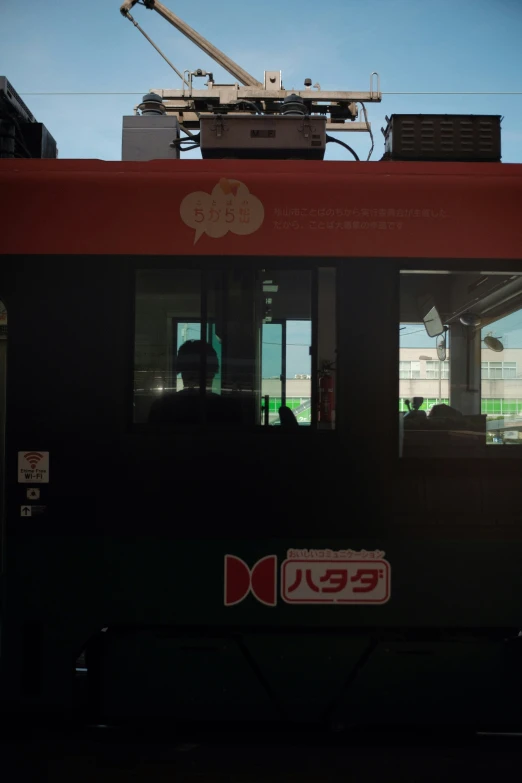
[[423, 364]]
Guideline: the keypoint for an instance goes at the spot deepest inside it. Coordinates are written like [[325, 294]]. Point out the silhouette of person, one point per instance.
[[444, 411], [415, 417], [287, 418], [185, 406]]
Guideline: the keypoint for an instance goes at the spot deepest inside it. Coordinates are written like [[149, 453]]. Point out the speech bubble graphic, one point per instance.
[[230, 207]]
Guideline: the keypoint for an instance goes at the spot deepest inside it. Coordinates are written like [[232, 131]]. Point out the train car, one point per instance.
[[256, 535]]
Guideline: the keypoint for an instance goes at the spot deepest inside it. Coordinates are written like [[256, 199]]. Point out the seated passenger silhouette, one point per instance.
[[414, 417], [445, 417], [185, 406], [443, 411], [287, 418]]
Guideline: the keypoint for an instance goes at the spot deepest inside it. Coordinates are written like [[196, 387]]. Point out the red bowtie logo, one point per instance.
[[261, 580]]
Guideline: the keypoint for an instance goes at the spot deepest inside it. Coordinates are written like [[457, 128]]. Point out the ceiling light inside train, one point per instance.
[[470, 319]]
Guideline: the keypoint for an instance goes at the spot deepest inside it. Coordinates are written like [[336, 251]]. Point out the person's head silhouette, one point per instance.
[[188, 363]]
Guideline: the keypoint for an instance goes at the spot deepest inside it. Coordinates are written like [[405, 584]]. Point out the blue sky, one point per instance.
[[415, 45], [298, 340]]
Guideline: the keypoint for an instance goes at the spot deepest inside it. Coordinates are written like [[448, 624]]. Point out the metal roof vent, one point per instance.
[[440, 137]]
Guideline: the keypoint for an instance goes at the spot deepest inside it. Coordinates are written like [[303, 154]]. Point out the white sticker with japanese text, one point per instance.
[[230, 207]]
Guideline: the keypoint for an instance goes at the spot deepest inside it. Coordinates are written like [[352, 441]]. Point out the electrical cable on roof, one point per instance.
[[143, 91], [136, 92], [252, 105], [451, 93], [416, 332], [192, 140], [343, 144], [369, 128], [194, 136]]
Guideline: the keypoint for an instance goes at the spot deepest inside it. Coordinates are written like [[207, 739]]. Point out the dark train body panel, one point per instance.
[[135, 523]]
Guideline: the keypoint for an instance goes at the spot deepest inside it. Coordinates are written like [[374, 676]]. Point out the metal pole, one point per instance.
[[440, 381], [266, 409], [217, 55], [136, 25]]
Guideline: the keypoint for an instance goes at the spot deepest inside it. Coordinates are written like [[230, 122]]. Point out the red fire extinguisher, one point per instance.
[[326, 396]]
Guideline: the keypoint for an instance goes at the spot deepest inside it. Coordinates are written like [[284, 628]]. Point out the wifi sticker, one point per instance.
[[33, 467]]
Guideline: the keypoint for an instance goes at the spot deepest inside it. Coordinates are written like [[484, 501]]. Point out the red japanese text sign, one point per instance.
[[335, 581], [311, 576]]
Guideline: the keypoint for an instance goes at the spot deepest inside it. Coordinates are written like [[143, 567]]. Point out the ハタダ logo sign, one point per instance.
[[230, 207], [311, 576]]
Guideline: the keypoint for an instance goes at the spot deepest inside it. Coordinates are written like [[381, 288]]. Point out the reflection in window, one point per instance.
[[233, 347], [426, 404], [286, 368], [3, 319], [460, 391], [164, 300], [501, 392]]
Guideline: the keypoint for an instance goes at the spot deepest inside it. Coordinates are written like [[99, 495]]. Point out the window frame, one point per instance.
[[444, 366], [207, 264], [492, 455], [503, 367], [411, 376], [349, 271]]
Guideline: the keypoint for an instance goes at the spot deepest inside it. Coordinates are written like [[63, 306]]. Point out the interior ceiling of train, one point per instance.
[[489, 295]]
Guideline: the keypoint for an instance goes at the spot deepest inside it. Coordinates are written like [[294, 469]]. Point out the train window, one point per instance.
[[235, 347], [460, 363]]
